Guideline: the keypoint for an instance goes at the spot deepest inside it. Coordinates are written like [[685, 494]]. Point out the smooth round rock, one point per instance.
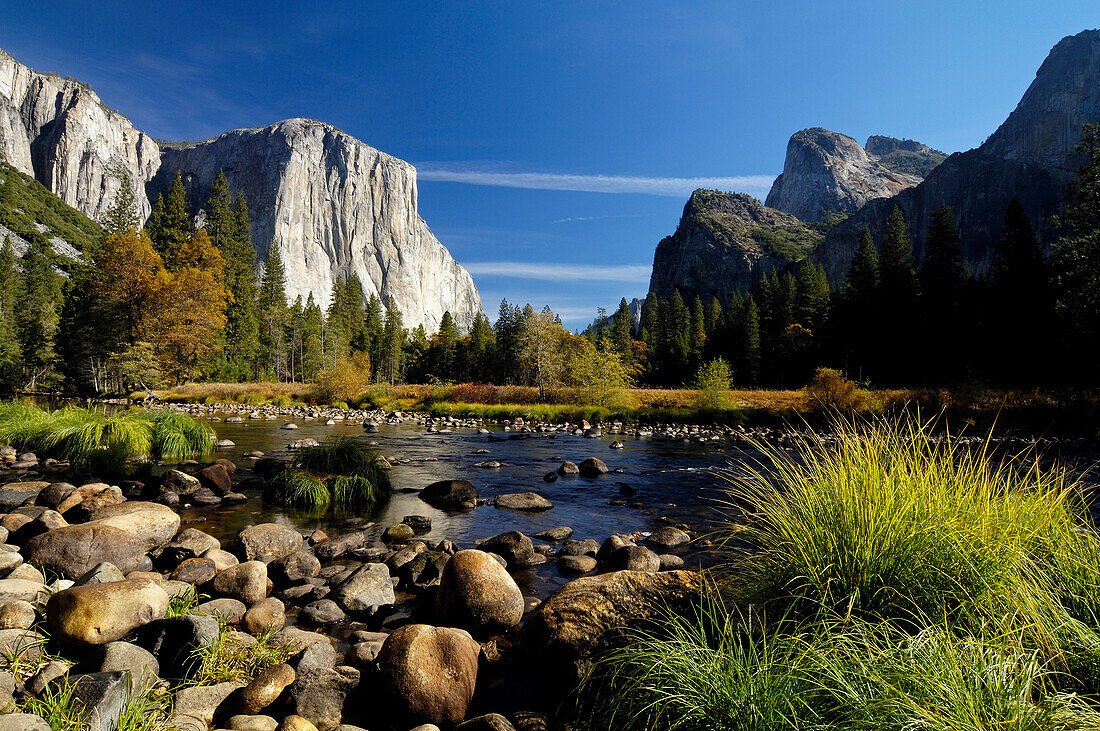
[[16, 614], [246, 582], [477, 593], [430, 672], [265, 688], [100, 613], [268, 541], [268, 615]]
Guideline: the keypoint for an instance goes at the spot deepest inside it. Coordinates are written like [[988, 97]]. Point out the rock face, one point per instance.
[[725, 243], [904, 156], [1029, 157], [829, 172], [334, 206], [74, 142]]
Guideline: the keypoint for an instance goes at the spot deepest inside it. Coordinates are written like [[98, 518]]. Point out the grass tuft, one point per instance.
[[228, 659], [343, 471]]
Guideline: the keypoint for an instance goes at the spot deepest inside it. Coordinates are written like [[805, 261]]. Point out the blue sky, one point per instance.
[[557, 141]]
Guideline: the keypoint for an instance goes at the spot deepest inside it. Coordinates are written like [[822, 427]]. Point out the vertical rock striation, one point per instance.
[[333, 205], [75, 144]]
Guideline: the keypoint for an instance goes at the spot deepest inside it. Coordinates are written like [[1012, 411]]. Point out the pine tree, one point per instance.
[[622, 331], [38, 313], [898, 294], [373, 331], [750, 364], [482, 346], [122, 214], [171, 225], [698, 336], [11, 294], [271, 305], [859, 315], [310, 357], [393, 344], [1021, 303], [942, 278], [1076, 255]]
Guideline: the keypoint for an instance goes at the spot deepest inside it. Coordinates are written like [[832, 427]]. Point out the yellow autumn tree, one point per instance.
[[190, 308], [128, 267]]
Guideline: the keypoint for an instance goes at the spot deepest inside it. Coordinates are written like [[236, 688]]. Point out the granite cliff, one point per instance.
[[1029, 157], [725, 242], [70, 140], [826, 172], [332, 205]]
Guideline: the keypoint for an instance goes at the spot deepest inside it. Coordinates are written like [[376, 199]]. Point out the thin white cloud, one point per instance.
[[675, 187], [560, 272], [575, 219]]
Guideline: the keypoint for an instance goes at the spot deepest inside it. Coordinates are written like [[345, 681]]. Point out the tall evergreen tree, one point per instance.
[[38, 314], [942, 278], [1076, 256], [122, 214], [393, 344], [11, 294], [272, 308], [898, 296], [1020, 304], [622, 330], [373, 331], [171, 225]]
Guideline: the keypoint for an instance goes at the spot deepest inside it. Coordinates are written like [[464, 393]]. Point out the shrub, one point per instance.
[[345, 381], [831, 390], [712, 382]]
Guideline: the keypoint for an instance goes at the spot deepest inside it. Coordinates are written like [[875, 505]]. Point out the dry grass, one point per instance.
[[239, 393]]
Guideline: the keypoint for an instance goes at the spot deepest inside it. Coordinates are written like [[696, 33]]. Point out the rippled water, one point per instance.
[[672, 479]]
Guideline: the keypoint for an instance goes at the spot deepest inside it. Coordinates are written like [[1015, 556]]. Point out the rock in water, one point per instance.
[[308, 182], [430, 672]]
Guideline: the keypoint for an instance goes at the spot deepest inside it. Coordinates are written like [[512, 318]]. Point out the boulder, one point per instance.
[[264, 689], [667, 537], [23, 644], [267, 615], [322, 613], [17, 614], [586, 615], [23, 722], [179, 482], [301, 564], [154, 524], [100, 613], [175, 640], [365, 589], [229, 610], [216, 477], [246, 582], [101, 573], [488, 722], [633, 558], [118, 656], [430, 672], [555, 535], [568, 468], [188, 543], [15, 494], [335, 547], [478, 594], [515, 547], [194, 706], [26, 590], [268, 541], [295, 722], [593, 467], [195, 571], [319, 695], [73, 550], [450, 495], [528, 502]]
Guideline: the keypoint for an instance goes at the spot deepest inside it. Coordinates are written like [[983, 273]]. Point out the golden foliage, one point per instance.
[[346, 381]]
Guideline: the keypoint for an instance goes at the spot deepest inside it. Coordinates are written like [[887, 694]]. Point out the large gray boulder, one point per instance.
[[73, 550], [269, 541], [365, 590]]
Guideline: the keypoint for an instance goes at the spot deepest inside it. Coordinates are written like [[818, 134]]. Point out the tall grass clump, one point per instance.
[[718, 669], [343, 471], [227, 659], [922, 582], [96, 439], [890, 522]]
